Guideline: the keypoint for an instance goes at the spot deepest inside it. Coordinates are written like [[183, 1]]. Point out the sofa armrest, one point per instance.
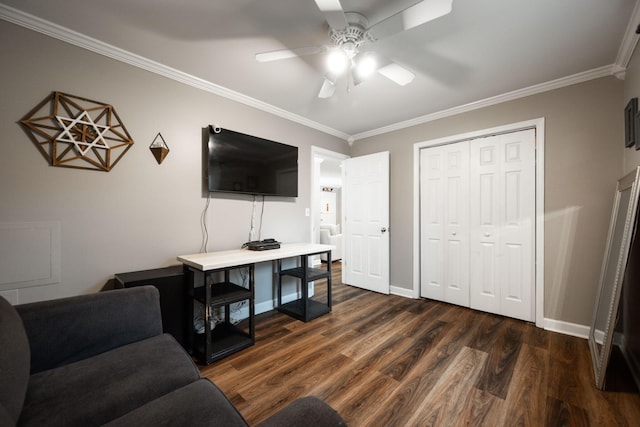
[[66, 330], [305, 412]]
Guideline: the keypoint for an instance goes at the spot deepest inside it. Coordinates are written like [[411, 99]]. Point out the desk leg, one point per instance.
[[252, 304], [279, 270], [329, 280], [304, 260]]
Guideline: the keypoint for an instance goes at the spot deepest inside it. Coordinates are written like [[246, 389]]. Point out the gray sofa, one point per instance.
[[102, 359]]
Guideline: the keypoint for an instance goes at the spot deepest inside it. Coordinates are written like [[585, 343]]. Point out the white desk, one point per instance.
[[235, 257], [227, 338]]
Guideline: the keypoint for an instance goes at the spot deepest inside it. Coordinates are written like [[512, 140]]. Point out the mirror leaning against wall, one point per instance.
[[623, 221]]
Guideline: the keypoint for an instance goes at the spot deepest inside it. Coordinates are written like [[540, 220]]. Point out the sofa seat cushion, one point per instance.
[[96, 390], [201, 402]]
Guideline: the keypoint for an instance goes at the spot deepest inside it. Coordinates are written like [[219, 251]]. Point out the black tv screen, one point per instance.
[[240, 163]]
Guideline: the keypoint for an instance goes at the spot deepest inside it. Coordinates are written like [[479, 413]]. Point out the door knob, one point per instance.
[[487, 234], [383, 230], [453, 233]]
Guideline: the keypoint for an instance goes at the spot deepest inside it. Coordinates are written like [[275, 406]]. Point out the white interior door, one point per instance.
[[444, 232], [366, 222], [503, 224]]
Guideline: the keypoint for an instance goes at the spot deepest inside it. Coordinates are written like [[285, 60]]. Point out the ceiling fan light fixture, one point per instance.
[[365, 65], [337, 62]]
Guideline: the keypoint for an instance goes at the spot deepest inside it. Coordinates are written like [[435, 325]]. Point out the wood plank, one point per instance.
[[383, 360], [481, 409], [498, 371], [451, 393], [527, 397], [369, 341], [560, 413], [405, 362], [402, 403]]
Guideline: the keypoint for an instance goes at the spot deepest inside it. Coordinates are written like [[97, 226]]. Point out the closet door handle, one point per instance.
[[487, 234]]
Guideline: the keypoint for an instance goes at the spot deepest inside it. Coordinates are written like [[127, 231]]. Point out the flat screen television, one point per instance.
[[240, 163]]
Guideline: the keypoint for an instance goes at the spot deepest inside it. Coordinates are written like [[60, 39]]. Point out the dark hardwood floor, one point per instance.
[[383, 360]]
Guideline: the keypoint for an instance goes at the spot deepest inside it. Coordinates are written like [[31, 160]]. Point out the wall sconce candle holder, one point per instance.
[[159, 148]]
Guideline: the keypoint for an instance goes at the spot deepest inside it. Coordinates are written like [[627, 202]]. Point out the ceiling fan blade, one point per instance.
[[327, 90], [277, 55], [418, 14], [333, 13], [397, 74]]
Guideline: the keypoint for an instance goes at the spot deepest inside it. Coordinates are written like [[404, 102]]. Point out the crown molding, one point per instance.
[[628, 45], [596, 73], [66, 35]]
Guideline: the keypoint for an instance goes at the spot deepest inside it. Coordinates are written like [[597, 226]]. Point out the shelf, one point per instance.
[[225, 340], [312, 273], [223, 293], [296, 309]]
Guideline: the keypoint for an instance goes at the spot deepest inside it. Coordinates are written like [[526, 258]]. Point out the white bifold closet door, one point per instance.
[[444, 207], [478, 224]]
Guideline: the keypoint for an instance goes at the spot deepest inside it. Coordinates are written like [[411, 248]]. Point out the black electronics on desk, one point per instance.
[[262, 245]]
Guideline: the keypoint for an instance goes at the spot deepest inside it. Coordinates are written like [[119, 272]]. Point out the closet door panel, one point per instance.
[[431, 224], [486, 280], [445, 223], [518, 230], [502, 218], [456, 232]]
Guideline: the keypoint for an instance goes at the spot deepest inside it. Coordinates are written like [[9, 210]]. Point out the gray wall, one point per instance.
[[140, 215], [632, 90], [583, 160]]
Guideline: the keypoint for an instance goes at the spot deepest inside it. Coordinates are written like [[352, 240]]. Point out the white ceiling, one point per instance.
[[481, 50]]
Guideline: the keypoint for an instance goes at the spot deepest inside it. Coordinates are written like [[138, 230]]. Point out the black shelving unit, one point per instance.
[[173, 300], [306, 308], [225, 338]]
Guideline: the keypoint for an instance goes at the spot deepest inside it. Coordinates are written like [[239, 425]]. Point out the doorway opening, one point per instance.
[[326, 199]]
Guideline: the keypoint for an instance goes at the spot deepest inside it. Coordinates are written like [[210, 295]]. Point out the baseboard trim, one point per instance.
[[566, 328], [403, 292]]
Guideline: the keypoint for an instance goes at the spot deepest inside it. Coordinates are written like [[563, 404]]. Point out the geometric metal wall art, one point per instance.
[[76, 132], [159, 148]]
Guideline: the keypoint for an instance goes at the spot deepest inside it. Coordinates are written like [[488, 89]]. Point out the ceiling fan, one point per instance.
[[350, 32]]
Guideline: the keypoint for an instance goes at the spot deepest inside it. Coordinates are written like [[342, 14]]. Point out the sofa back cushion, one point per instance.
[[333, 229], [14, 363], [66, 330]]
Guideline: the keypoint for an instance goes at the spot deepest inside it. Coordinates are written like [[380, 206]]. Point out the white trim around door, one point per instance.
[[538, 126]]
